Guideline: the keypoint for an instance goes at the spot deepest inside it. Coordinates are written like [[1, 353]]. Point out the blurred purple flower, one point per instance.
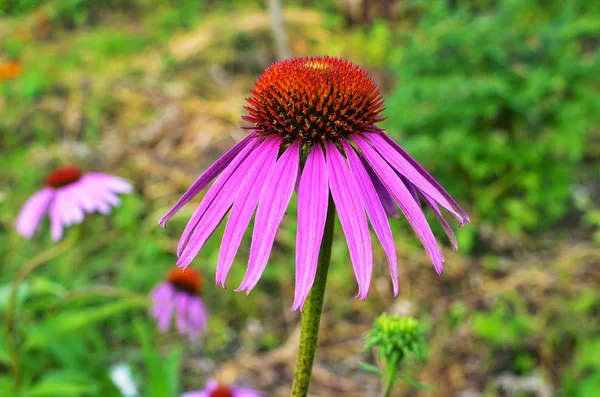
[[319, 114], [179, 297], [214, 389], [68, 195]]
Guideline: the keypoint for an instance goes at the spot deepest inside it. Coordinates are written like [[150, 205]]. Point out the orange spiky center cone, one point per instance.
[[221, 391], [314, 99], [63, 176], [188, 280]]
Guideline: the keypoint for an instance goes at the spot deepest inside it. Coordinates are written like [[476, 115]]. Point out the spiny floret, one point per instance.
[[314, 99], [188, 280]]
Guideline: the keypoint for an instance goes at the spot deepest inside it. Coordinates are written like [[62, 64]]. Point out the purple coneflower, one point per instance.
[[68, 195], [215, 389], [179, 297], [314, 128]]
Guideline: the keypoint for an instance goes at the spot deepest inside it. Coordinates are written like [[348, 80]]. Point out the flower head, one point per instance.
[[68, 195], [320, 113], [216, 389], [179, 297]]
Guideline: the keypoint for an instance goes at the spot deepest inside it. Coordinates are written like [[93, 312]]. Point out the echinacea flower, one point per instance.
[[314, 127], [179, 297], [215, 389], [68, 195]]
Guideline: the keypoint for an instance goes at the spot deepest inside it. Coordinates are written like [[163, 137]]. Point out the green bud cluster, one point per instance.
[[397, 338]]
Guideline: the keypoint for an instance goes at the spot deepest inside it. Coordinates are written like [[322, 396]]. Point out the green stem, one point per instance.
[[311, 317], [389, 377], [11, 307]]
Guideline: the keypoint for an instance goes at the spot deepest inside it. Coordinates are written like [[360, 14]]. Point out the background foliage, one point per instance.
[[499, 99]]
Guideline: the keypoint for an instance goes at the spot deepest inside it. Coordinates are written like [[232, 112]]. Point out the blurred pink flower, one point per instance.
[[214, 389], [179, 297], [314, 129], [68, 195]]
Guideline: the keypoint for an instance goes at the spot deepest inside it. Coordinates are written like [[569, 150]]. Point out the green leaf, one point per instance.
[[62, 384], [74, 320], [416, 384], [163, 373], [370, 368], [6, 290]]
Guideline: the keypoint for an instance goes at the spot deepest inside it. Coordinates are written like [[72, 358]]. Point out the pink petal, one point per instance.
[[207, 176], [214, 192], [181, 312], [438, 214], [271, 208], [56, 216], [427, 176], [313, 196], [72, 211], [219, 206], [346, 196], [414, 192], [200, 393], [375, 210], [32, 211], [384, 196], [197, 315], [407, 170], [403, 198], [243, 392], [108, 182], [257, 175]]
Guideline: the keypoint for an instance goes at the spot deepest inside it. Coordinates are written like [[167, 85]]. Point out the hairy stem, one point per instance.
[[311, 317]]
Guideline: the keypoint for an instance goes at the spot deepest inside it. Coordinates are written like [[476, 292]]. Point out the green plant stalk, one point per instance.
[[389, 377], [311, 317], [10, 314]]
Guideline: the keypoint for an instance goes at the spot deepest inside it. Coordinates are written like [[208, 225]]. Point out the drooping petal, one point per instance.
[[94, 195], [427, 176], [200, 393], [108, 182], [207, 176], [403, 198], [257, 175], [197, 316], [244, 392], [160, 294], [438, 214], [219, 207], [313, 197], [56, 216], [214, 192], [407, 170], [164, 317], [32, 211], [384, 196], [181, 312], [162, 305], [271, 208], [414, 192], [72, 208], [346, 196], [375, 210]]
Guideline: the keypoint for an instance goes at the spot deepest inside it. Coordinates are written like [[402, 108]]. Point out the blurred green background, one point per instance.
[[498, 99]]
